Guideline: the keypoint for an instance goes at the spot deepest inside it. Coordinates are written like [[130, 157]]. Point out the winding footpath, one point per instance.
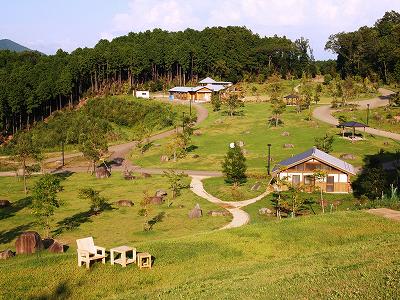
[[324, 113], [240, 217]]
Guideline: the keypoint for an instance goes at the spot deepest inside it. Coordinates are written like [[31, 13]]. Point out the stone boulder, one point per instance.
[[196, 156], [146, 175], [156, 200], [56, 247], [6, 254], [102, 172], [348, 156], [196, 212], [164, 158], [197, 133], [240, 144], [285, 133], [161, 193], [4, 203], [218, 213], [286, 146], [264, 211], [28, 242], [124, 203]]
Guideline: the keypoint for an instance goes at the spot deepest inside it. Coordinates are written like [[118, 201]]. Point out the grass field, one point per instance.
[[218, 130], [344, 255], [117, 226], [380, 118], [217, 187]]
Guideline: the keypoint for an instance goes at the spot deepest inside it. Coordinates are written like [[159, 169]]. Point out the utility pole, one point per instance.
[[269, 159]]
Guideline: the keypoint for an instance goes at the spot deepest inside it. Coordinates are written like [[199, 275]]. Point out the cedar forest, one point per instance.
[[33, 85]]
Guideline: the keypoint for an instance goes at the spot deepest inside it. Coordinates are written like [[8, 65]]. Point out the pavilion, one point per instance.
[[291, 99], [352, 124]]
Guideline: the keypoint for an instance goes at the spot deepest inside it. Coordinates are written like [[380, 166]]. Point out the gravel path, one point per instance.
[[240, 217], [324, 114], [386, 213]]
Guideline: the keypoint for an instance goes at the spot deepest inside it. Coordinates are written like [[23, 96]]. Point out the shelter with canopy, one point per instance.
[[352, 124]]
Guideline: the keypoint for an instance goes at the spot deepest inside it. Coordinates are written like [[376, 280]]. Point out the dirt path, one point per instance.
[[324, 114], [240, 217], [386, 213]]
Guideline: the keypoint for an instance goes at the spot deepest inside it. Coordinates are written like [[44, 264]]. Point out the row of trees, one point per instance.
[[370, 51], [32, 85]]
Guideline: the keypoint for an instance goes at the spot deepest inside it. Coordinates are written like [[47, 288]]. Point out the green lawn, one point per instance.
[[217, 187], [118, 226], [380, 118], [218, 130], [344, 255]]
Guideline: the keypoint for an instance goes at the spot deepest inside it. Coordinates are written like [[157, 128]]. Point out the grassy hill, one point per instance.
[[6, 44], [333, 256]]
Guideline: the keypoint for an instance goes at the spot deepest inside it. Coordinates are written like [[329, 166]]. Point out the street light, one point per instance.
[[367, 113], [269, 159], [190, 106], [183, 121]]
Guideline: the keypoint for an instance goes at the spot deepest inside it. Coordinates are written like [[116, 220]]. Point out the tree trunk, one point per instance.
[[62, 153], [24, 175]]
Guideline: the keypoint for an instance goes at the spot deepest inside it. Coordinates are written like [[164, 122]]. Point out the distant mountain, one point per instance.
[[7, 44]]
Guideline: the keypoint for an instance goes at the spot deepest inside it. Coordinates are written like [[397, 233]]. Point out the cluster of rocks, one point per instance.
[[158, 198], [218, 213], [30, 242], [348, 156], [124, 203], [285, 133], [265, 211], [287, 146], [102, 172]]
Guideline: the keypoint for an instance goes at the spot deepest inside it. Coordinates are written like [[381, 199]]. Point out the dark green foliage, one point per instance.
[[234, 165], [97, 202], [33, 86], [325, 143], [216, 102], [44, 199], [369, 51]]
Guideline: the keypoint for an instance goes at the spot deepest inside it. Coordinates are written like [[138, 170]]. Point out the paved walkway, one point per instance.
[[240, 217], [324, 114], [386, 213]]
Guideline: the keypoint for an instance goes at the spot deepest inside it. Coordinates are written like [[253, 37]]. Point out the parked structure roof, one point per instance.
[[318, 155]]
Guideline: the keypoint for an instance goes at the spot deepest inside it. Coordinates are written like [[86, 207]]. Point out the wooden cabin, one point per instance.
[[300, 170], [200, 93]]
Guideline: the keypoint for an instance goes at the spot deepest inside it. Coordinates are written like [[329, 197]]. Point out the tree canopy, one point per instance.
[[33, 85]]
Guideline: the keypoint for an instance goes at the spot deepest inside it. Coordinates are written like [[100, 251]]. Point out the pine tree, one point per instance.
[[234, 165]]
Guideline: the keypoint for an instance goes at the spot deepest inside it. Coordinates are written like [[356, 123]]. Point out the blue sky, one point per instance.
[[48, 25]]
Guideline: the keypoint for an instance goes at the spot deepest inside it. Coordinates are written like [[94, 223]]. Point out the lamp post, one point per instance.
[[367, 113], [269, 159], [190, 107]]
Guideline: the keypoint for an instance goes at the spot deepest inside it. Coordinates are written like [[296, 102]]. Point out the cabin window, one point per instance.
[[330, 184], [309, 180], [295, 179]]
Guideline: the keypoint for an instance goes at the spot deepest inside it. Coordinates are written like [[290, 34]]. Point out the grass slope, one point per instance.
[[122, 225], [343, 255], [219, 130]]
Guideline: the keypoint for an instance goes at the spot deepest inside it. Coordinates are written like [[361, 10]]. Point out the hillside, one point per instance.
[[6, 44]]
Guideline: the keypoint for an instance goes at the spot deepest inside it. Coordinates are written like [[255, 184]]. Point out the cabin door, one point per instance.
[[330, 184]]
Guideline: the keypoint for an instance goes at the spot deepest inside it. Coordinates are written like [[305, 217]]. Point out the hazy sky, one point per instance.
[[47, 25]]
